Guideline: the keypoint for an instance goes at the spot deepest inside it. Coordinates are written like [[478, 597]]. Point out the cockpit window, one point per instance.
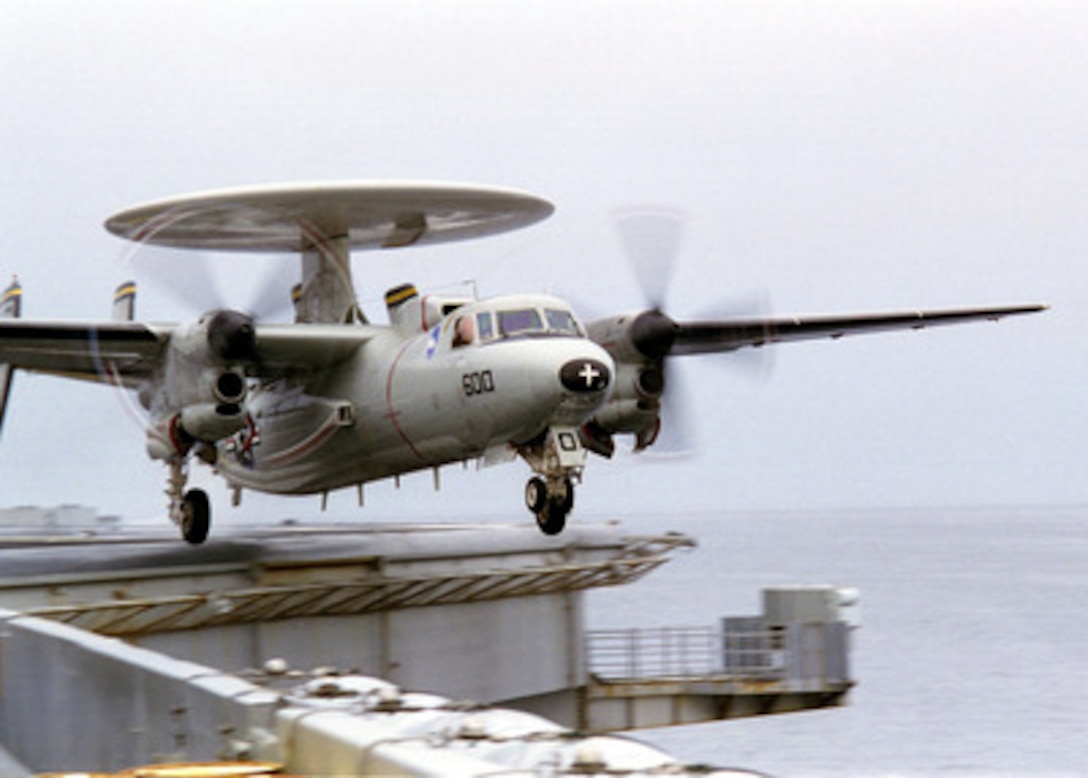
[[464, 331], [520, 322], [484, 326], [562, 322]]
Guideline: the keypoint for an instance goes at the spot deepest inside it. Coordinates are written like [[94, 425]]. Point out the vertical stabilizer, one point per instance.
[[11, 303], [403, 304], [124, 302]]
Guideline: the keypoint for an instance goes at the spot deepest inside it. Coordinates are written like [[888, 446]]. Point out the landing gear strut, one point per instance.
[[190, 510], [557, 458]]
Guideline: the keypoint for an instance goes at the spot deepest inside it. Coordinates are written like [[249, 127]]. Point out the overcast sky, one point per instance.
[[829, 157]]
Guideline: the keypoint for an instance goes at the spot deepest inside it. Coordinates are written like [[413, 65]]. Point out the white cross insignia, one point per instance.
[[590, 374]]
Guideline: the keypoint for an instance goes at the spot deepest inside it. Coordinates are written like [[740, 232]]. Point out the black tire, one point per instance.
[[196, 516], [536, 494], [552, 519], [568, 498]]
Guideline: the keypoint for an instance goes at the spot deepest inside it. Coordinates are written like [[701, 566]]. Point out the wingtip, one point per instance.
[[1027, 308]]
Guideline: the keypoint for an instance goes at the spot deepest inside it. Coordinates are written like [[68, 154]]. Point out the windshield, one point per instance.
[[520, 322], [562, 322], [523, 322]]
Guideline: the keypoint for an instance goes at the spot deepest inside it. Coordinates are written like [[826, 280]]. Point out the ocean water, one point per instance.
[[972, 656]]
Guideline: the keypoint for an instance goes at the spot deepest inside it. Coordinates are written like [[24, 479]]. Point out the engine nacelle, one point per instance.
[[201, 393], [639, 343], [219, 415], [635, 337], [210, 422], [635, 400], [213, 407], [633, 408]]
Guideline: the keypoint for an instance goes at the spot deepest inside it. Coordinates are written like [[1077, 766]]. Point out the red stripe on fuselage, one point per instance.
[[300, 449], [389, 401]]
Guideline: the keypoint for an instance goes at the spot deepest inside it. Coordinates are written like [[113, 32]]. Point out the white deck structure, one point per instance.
[[294, 645]]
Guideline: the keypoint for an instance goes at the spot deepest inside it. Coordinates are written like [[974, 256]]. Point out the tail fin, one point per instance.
[[11, 302], [124, 302]]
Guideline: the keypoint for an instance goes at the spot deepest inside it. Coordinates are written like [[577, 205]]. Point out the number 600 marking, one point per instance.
[[477, 383]]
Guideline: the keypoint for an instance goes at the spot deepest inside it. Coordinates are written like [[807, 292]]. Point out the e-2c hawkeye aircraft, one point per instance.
[[333, 401]]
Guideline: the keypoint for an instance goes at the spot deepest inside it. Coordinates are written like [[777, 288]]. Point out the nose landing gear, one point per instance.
[[557, 458], [550, 501]]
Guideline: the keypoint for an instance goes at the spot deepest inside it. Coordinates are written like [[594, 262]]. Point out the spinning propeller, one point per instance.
[[188, 278], [225, 335], [652, 241], [652, 399]]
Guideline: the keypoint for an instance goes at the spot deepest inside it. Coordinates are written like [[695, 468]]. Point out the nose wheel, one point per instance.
[[550, 501]]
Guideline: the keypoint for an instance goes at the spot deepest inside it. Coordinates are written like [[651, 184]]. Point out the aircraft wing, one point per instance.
[[93, 351], [291, 348], [129, 352], [711, 337]]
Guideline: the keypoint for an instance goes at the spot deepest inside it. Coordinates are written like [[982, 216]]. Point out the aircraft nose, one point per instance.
[[585, 376]]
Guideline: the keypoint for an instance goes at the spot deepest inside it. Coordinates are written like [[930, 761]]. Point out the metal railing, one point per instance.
[[668, 652], [742, 649]]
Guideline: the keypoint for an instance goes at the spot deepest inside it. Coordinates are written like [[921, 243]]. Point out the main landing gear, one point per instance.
[[557, 458], [190, 510]]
